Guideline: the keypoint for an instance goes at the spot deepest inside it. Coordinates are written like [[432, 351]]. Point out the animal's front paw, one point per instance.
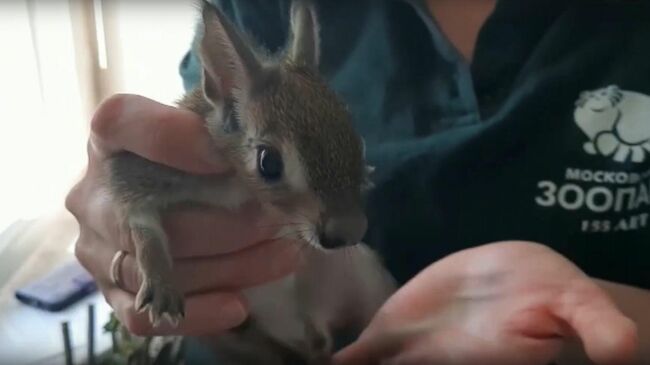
[[162, 300]]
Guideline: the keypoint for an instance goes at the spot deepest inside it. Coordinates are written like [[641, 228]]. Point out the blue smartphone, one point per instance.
[[59, 289]]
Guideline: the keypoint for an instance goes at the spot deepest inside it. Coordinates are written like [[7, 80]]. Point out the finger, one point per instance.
[[607, 335], [204, 232], [73, 201], [158, 132], [426, 351], [205, 314], [361, 353], [256, 265], [94, 254]]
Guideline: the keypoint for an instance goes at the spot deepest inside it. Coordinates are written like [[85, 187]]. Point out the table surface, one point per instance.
[[33, 336]]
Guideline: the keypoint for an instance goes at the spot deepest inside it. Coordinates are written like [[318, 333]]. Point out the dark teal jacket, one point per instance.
[[545, 136]]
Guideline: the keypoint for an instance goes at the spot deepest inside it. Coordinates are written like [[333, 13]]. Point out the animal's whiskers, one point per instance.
[[294, 150]]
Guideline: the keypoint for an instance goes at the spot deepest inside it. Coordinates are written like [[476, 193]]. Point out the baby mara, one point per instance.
[[294, 150]]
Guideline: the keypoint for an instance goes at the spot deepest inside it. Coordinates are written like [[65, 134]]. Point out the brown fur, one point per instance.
[[282, 104], [310, 114]]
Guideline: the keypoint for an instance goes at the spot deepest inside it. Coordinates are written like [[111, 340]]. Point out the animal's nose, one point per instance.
[[343, 231]]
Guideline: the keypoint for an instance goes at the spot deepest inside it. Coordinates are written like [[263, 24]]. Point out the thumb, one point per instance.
[[161, 133], [366, 351], [371, 348], [607, 335]]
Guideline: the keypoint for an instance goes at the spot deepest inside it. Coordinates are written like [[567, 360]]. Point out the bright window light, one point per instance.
[[43, 120]]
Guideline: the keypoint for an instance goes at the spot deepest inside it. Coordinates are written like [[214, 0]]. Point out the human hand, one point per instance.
[[507, 303], [216, 252]]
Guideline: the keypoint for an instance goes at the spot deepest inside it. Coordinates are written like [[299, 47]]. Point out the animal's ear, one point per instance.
[[305, 44], [230, 66]]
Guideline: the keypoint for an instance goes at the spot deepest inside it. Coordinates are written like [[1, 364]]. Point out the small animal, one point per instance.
[[294, 150]]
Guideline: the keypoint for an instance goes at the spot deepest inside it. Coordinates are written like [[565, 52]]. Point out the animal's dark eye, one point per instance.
[[269, 163]]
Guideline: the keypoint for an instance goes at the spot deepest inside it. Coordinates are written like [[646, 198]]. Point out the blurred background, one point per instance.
[[59, 59]]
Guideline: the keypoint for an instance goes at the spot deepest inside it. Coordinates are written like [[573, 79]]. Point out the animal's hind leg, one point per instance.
[[157, 291]]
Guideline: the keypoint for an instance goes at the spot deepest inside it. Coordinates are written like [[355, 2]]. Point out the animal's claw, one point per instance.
[[162, 301]]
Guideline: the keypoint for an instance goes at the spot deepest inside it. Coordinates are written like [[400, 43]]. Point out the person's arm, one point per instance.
[[634, 303]]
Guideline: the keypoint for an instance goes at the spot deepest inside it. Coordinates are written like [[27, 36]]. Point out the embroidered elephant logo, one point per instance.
[[617, 123]]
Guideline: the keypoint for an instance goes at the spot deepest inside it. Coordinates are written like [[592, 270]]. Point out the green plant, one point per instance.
[[128, 349]]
